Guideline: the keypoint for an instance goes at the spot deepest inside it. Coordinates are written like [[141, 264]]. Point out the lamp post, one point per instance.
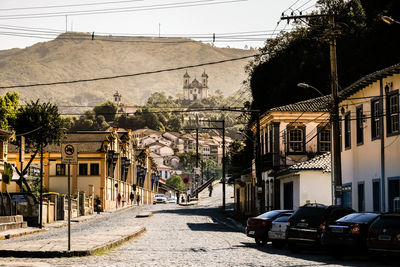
[[389, 20], [336, 174]]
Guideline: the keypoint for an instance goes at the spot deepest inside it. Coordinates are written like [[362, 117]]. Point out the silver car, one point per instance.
[[277, 234]]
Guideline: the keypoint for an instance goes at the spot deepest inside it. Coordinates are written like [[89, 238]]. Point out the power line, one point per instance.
[[121, 10], [127, 75]]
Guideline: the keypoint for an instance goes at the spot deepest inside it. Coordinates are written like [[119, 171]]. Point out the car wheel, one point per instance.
[[260, 241], [293, 247]]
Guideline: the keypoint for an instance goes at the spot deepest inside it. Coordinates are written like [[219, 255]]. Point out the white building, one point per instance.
[[195, 90], [370, 141]]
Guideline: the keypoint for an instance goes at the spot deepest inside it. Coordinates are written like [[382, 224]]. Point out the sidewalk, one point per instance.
[[82, 245]]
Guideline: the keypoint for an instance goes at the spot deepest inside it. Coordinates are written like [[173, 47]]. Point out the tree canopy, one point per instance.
[[176, 182], [8, 109]]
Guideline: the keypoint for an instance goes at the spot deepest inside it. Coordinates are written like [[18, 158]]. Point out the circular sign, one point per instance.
[[69, 150]]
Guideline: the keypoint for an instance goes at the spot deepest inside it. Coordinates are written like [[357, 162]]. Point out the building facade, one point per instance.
[[370, 142]]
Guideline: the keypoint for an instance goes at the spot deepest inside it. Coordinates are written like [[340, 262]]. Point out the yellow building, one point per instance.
[[107, 167], [4, 136]]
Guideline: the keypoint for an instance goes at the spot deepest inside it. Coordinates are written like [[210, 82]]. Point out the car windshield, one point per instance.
[[358, 218], [270, 214], [159, 196]]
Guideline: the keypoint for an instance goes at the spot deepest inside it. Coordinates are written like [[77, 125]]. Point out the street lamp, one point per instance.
[[305, 85], [389, 20], [336, 173]]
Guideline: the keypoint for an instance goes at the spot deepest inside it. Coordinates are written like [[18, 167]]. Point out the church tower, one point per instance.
[[204, 79]]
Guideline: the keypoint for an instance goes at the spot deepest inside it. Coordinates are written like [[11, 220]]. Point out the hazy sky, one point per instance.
[[235, 22]]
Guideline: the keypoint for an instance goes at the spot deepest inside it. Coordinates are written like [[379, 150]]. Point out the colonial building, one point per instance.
[[108, 164], [195, 90], [370, 142]]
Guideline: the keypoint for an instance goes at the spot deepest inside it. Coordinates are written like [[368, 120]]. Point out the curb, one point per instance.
[[9, 236], [73, 253]]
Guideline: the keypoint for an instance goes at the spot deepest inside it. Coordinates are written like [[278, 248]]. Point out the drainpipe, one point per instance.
[[382, 135]]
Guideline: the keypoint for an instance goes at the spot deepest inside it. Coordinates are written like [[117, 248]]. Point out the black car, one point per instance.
[[309, 221], [349, 231], [384, 234]]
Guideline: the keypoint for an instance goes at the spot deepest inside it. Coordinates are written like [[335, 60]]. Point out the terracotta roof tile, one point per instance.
[[322, 162]]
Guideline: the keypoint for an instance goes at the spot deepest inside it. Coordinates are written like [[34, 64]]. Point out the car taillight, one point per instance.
[[264, 223], [356, 229], [323, 227]]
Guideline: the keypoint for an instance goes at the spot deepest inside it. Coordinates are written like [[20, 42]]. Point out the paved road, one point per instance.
[[183, 236]]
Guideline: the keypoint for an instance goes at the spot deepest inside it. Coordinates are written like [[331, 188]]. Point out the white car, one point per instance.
[[160, 198], [171, 200], [277, 234]]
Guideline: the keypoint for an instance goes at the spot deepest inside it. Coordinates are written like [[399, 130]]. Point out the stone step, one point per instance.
[[12, 225], [9, 219]]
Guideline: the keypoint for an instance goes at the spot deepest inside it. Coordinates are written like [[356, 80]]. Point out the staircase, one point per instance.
[[12, 222]]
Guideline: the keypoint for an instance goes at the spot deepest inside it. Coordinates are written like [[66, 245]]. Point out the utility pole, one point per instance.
[[260, 182], [335, 150], [197, 161]]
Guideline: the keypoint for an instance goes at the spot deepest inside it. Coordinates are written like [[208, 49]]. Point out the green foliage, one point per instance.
[[175, 181], [211, 169], [239, 158], [187, 160], [303, 54], [8, 109], [44, 119], [88, 121], [107, 111], [7, 173]]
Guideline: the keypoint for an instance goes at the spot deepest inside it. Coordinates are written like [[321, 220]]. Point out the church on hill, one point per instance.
[[195, 90]]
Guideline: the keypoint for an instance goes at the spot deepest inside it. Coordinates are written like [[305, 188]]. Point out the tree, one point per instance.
[[8, 109], [176, 182], [41, 125], [108, 110]]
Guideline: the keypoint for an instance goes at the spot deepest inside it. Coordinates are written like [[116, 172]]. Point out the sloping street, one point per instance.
[[196, 235]]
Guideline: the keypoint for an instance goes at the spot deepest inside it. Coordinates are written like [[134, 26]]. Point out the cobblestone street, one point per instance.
[[181, 236]]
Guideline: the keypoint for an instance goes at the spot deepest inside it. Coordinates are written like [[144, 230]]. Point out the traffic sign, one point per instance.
[[69, 154]]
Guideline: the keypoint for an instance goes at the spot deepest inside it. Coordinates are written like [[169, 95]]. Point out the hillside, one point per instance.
[[74, 56]]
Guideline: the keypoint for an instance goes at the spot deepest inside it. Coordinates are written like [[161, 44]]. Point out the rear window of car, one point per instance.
[[358, 218], [282, 219], [270, 214], [338, 212], [309, 212]]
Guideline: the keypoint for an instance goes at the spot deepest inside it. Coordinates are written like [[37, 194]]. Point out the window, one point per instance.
[[360, 125], [347, 199], [296, 139], [375, 119], [392, 114], [324, 139], [347, 131], [361, 197], [376, 195], [94, 169], [83, 169], [60, 169]]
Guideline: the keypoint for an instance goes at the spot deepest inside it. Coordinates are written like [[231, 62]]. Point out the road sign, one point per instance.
[[69, 154]]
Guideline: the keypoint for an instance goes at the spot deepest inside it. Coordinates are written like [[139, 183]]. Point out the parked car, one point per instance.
[[171, 200], [259, 226], [384, 234], [277, 234], [349, 231], [160, 198], [309, 221]]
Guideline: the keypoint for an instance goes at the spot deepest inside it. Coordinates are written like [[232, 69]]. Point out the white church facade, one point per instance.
[[195, 90]]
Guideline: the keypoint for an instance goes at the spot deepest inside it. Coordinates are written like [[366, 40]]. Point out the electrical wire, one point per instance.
[[120, 10]]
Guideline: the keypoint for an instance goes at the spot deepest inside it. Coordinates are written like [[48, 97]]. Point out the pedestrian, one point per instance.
[[138, 199], [210, 189], [119, 199], [132, 197], [98, 206]]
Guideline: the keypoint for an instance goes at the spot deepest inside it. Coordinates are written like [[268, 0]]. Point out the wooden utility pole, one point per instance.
[[334, 112]]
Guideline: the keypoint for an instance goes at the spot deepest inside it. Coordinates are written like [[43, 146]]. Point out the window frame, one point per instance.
[[320, 130], [59, 170], [347, 130], [98, 169], [79, 169], [359, 125], [389, 114], [291, 128], [375, 119]]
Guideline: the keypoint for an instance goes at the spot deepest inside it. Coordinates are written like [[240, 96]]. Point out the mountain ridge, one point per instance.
[[75, 56]]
